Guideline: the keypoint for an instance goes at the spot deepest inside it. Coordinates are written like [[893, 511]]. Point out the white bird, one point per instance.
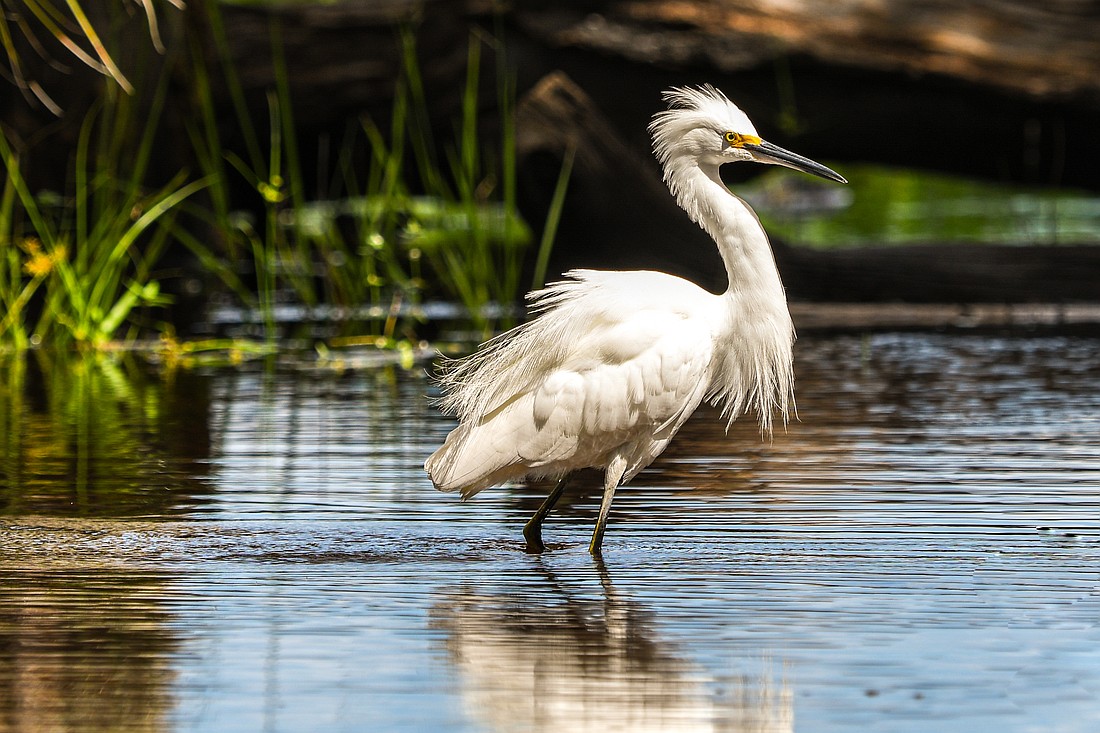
[[616, 362]]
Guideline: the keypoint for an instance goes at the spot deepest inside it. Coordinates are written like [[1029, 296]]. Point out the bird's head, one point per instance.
[[702, 124]]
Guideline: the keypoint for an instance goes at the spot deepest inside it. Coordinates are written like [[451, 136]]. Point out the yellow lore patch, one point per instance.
[[737, 140]]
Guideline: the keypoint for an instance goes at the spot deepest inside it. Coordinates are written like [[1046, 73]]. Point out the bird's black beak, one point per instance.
[[765, 152]]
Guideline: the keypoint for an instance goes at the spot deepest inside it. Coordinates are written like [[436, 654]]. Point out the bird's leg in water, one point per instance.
[[601, 520], [532, 531], [612, 479]]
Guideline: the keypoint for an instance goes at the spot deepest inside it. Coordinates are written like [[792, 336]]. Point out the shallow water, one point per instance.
[[248, 550]]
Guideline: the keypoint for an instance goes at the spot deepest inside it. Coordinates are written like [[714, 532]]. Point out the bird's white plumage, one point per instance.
[[684, 137], [611, 367], [614, 363]]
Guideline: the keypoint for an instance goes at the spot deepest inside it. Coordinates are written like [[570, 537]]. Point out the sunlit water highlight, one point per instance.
[[241, 550]]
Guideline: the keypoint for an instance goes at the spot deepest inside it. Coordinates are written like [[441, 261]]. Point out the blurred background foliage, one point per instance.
[[210, 179], [399, 212]]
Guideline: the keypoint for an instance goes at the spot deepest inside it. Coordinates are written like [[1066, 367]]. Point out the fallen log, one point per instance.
[[999, 89], [1042, 51]]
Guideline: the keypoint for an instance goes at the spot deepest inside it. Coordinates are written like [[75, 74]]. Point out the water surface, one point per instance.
[[260, 550]]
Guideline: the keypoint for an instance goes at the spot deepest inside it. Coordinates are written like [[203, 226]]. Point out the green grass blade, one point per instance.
[[100, 51], [39, 224], [118, 312], [236, 90], [163, 202], [553, 217]]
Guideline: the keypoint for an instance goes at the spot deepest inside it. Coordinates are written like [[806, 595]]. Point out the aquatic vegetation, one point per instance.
[[482, 264], [91, 252], [80, 267], [376, 240]]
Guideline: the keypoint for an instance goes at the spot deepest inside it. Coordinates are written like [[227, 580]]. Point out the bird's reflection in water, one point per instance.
[[556, 658]]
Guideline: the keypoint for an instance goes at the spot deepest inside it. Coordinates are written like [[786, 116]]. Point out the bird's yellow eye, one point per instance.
[[737, 140]]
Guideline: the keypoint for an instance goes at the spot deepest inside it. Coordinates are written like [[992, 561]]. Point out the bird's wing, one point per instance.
[[636, 379], [570, 312], [629, 384], [620, 359]]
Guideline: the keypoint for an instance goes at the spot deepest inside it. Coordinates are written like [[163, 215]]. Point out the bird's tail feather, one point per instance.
[[462, 464]]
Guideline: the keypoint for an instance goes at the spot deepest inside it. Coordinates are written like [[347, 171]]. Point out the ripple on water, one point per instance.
[[918, 551]]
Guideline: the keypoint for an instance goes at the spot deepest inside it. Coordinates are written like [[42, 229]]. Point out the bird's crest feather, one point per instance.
[[693, 108]]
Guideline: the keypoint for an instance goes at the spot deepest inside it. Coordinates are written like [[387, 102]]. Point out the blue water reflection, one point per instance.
[[918, 552]]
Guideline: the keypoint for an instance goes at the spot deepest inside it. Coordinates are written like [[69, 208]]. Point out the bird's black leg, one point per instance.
[[532, 531], [601, 520]]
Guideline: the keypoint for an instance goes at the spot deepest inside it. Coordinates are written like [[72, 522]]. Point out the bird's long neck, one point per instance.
[[754, 370], [735, 228]]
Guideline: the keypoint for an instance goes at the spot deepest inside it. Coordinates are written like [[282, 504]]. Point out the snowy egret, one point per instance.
[[615, 362]]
